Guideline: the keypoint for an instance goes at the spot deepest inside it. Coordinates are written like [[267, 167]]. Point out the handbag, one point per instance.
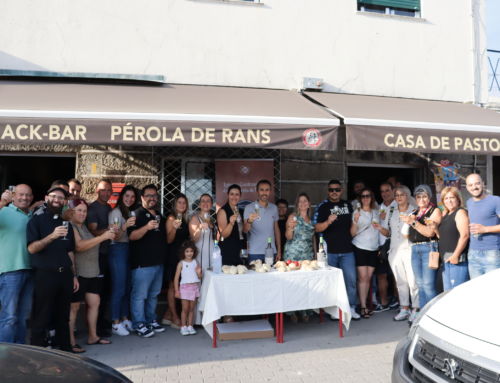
[[434, 260]]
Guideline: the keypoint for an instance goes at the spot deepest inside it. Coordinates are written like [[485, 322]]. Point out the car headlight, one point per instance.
[[414, 325]]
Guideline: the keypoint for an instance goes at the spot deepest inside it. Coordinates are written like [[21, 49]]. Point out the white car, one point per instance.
[[456, 337]]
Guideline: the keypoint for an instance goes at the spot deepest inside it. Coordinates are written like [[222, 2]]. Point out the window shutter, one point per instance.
[[404, 4]]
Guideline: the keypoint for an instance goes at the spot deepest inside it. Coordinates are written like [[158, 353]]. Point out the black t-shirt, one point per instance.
[[338, 234], [151, 249], [55, 254], [282, 226], [99, 213]]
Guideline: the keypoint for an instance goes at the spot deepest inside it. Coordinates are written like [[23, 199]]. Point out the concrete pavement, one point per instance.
[[311, 352]]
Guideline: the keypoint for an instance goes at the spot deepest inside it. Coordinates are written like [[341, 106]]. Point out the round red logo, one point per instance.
[[311, 137]]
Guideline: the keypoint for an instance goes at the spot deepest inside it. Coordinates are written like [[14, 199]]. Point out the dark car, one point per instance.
[[30, 364]]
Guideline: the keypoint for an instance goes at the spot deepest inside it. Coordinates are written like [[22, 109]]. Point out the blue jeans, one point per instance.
[[482, 261], [346, 262], [146, 285], [454, 275], [120, 280], [16, 296], [425, 277], [254, 257]]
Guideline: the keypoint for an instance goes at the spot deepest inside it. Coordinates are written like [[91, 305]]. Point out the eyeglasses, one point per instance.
[[150, 195], [58, 197], [334, 190], [366, 196]]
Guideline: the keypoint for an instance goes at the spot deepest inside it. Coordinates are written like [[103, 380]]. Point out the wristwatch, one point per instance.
[[414, 223]]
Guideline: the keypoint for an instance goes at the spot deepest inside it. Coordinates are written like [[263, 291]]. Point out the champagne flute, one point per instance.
[[206, 218], [66, 225], [158, 220], [237, 214], [257, 211], [132, 214], [116, 221]]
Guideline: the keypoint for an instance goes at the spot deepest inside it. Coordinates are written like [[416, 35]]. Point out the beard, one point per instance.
[[54, 209]]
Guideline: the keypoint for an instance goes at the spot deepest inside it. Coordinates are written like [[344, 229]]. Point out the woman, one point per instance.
[[230, 226], [453, 236], [201, 231], [120, 218], [422, 235], [299, 235], [400, 255], [365, 231], [87, 269], [177, 234]]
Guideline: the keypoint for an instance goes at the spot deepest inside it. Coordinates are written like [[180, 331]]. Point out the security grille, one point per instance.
[[192, 170]]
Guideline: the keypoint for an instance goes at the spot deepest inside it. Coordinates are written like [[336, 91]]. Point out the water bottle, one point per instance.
[[269, 253], [216, 259], [321, 256]]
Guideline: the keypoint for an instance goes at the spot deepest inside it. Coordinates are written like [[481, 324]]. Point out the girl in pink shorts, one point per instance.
[[187, 285]]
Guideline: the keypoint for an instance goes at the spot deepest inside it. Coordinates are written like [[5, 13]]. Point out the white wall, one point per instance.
[[272, 45]]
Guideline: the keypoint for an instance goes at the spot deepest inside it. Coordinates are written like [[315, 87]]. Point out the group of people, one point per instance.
[[62, 251]]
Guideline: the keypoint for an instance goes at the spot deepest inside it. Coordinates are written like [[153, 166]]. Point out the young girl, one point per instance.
[[187, 285]]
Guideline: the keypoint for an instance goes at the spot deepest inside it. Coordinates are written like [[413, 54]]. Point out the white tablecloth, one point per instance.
[[275, 292]]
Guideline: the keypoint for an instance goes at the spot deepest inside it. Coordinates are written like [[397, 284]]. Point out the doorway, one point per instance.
[[374, 175], [496, 180], [36, 171]]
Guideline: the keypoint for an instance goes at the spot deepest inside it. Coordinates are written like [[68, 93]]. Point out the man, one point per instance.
[[261, 223], [148, 247], [394, 181], [51, 245], [39, 206], [16, 282], [356, 189], [282, 205], [333, 218], [382, 269], [75, 188], [98, 223], [484, 217]]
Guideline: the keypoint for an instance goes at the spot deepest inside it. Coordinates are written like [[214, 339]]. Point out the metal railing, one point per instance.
[[494, 73]]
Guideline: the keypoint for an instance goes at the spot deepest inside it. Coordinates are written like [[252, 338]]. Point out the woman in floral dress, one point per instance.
[[300, 234]]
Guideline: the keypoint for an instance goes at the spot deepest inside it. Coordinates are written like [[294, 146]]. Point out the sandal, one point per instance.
[[365, 313], [77, 349], [100, 341]]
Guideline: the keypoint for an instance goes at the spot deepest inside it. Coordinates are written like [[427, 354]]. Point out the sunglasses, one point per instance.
[[334, 190], [366, 196]]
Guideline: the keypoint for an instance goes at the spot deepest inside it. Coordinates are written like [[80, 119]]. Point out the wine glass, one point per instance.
[[206, 218], [66, 225], [257, 211], [237, 214], [116, 221], [158, 220]]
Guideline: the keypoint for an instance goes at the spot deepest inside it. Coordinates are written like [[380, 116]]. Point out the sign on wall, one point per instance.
[[246, 174]]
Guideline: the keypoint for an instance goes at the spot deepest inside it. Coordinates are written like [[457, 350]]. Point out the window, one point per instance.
[[409, 8]]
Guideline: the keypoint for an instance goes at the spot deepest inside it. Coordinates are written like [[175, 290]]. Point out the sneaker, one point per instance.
[[166, 322], [144, 332], [128, 325], [119, 329], [184, 330], [354, 314], [381, 308], [402, 315], [394, 304], [191, 330], [156, 327], [413, 315]]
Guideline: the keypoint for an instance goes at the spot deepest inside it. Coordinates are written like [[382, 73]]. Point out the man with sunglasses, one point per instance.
[[333, 218]]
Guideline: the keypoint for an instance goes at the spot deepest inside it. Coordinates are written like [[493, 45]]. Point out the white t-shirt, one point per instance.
[[367, 237], [188, 272]]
